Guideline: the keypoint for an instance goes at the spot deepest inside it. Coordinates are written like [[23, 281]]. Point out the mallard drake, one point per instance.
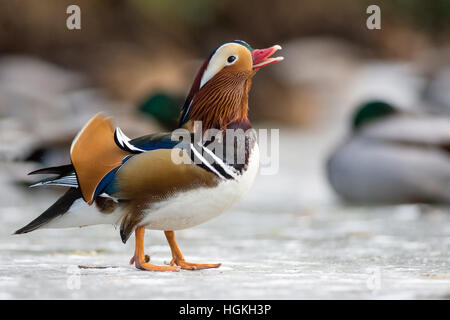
[[159, 181], [162, 106], [393, 157]]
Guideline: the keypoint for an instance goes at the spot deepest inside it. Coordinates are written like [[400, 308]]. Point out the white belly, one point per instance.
[[194, 207]]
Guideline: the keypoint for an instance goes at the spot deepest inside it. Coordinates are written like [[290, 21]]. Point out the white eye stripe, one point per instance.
[[219, 61]]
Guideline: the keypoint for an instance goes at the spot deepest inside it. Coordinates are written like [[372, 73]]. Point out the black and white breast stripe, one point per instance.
[[199, 154], [206, 159]]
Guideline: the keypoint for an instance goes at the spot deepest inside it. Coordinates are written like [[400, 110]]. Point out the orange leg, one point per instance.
[[147, 258], [139, 256], [177, 256]]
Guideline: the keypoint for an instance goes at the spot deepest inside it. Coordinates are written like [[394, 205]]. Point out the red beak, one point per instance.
[[261, 57]]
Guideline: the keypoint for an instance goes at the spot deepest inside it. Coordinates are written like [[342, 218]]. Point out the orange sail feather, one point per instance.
[[94, 153]]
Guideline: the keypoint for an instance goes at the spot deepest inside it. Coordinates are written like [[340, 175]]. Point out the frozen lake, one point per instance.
[[290, 238]]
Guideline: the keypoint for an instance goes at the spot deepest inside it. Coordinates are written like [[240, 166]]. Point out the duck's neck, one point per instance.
[[221, 102]]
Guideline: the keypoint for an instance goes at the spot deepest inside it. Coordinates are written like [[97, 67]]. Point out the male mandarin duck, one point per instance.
[[136, 182], [393, 157]]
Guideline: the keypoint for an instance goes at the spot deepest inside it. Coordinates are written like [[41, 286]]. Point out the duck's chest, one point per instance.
[[196, 206]]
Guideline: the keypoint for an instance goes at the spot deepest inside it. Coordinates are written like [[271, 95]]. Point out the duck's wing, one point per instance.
[[99, 152], [153, 177], [156, 175], [423, 131]]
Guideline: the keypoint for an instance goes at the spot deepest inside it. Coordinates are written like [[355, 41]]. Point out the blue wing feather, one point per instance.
[[138, 145], [154, 141]]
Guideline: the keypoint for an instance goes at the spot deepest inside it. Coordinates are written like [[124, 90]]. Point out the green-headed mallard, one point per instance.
[[393, 157]]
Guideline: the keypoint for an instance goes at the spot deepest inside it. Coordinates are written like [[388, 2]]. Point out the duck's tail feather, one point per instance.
[[60, 170], [59, 208], [66, 176]]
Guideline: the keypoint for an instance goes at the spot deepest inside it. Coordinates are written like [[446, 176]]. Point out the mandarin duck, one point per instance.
[[393, 157], [142, 184]]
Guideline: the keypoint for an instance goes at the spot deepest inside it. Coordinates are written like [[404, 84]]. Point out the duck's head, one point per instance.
[[370, 112], [219, 94]]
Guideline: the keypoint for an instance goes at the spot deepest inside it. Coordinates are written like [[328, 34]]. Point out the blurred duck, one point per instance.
[[162, 106], [135, 182], [393, 157]]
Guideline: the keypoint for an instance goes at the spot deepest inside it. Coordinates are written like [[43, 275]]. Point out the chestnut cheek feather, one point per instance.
[[223, 100]]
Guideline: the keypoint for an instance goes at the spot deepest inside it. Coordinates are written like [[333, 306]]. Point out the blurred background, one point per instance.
[[136, 60]]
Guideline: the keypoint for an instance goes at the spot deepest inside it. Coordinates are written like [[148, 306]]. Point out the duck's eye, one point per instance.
[[231, 59]]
